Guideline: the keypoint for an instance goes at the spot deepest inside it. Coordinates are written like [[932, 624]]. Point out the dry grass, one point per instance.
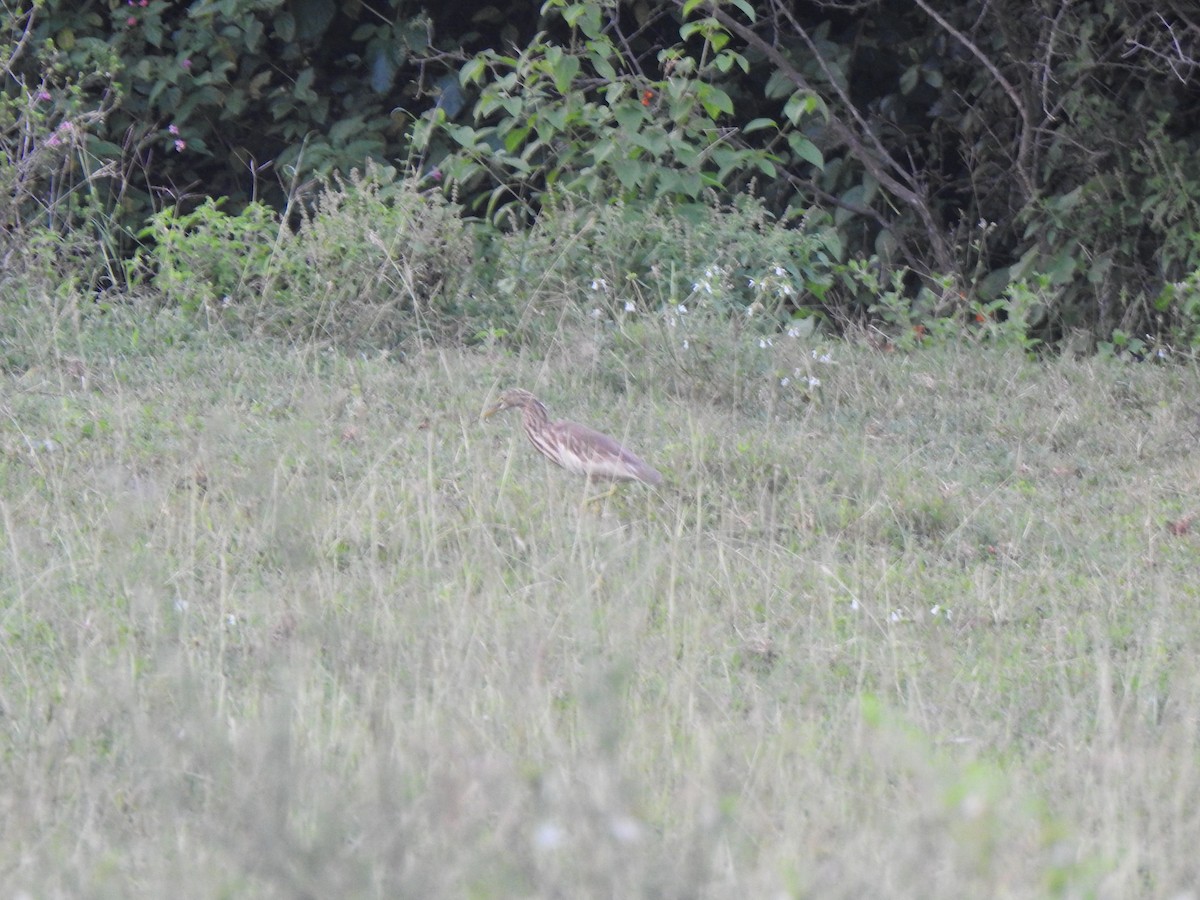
[[283, 623]]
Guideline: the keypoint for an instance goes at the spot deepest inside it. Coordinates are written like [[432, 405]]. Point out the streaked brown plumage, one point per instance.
[[575, 447]]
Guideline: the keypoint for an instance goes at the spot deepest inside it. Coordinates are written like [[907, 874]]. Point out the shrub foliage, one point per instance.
[[974, 151]]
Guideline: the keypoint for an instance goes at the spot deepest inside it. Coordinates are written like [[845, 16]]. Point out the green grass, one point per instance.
[[279, 622]]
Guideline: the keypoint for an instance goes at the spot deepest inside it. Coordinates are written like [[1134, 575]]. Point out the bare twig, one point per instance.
[[860, 137], [1180, 63], [1025, 140], [19, 47]]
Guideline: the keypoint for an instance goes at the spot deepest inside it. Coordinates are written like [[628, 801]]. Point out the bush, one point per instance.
[[653, 255], [582, 116], [224, 93], [54, 222], [375, 260]]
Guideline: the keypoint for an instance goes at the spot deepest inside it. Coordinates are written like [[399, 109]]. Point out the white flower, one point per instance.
[[681, 309], [793, 332], [750, 282], [625, 829], [779, 270], [548, 836], [629, 307], [785, 381], [595, 314], [786, 289], [685, 344], [599, 284], [814, 382], [764, 343], [823, 358]]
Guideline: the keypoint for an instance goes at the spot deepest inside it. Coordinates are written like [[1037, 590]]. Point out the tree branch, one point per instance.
[[863, 143]]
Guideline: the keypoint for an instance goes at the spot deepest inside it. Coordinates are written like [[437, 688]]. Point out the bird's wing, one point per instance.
[[594, 453]]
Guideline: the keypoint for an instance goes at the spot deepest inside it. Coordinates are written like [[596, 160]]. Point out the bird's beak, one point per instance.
[[492, 410]]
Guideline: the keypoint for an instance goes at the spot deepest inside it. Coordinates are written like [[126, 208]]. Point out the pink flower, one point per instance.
[[131, 21], [144, 3], [43, 94], [173, 128], [180, 146], [187, 63]]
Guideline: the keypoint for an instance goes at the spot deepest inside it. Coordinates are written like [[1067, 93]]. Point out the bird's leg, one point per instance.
[[603, 495]]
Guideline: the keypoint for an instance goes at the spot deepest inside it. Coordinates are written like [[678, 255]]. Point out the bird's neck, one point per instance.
[[535, 414]]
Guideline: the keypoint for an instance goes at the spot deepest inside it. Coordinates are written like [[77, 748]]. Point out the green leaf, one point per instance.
[[832, 240], [727, 159], [757, 125], [1062, 269], [285, 27], [104, 149], [908, 80], [800, 104], [599, 61], [852, 197], [690, 6], [515, 138], [746, 8], [489, 15], [584, 16], [1065, 202], [464, 135], [715, 101], [993, 284], [630, 116], [556, 118], [654, 141], [629, 172], [778, 85], [806, 150], [870, 188], [565, 70], [472, 71], [686, 154], [312, 17], [686, 184]]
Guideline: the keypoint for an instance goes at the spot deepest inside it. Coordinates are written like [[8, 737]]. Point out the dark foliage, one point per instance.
[[971, 144]]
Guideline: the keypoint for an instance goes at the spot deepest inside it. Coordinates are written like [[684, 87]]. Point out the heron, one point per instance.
[[575, 447]]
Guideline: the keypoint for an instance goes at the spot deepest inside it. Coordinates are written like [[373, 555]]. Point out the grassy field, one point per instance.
[[281, 622]]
